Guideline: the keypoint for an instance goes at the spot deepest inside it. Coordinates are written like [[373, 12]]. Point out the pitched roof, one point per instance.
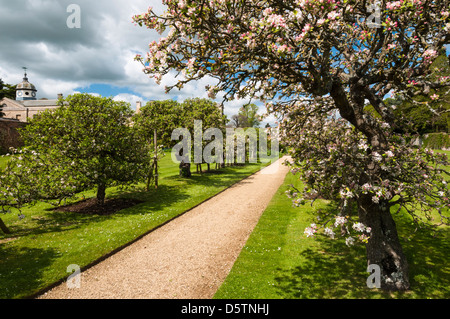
[[12, 103], [39, 103]]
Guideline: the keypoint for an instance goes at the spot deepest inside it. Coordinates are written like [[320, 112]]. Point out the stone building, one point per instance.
[[26, 105]]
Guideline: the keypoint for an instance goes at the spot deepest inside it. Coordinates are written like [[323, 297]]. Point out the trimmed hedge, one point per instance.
[[437, 141]]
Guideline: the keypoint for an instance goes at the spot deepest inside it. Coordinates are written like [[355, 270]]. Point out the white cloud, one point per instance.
[[48, 88], [129, 98], [93, 94]]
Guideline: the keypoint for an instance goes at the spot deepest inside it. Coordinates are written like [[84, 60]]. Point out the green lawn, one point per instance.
[[3, 160], [280, 262], [45, 243]]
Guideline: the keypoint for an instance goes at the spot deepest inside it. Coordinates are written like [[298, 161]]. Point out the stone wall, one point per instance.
[[9, 135]]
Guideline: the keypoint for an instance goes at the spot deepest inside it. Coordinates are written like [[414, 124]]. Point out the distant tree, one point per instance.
[[206, 111], [238, 120], [162, 116], [7, 90], [247, 117], [1, 97], [427, 111], [155, 123]]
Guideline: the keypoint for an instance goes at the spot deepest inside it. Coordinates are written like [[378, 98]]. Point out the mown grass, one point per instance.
[[3, 160], [280, 262], [45, 242]]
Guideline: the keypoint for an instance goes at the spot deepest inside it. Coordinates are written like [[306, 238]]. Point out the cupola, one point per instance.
[[25, 90]]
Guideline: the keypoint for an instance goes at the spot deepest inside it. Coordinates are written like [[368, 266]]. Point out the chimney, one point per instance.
[[138, 106]]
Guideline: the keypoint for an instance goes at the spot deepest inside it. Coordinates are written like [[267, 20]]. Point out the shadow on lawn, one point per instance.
[[428, 258], [24, 271], [337, 271], [217, 178], [329, 272], [52, 221]]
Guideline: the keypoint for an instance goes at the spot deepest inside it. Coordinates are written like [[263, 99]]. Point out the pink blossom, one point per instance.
[[429, 54], [389, 154], [340, 220], [310, 231], [391, 46], [359, 227], [350, 241], [393, 5], [329, 232], [333, 15]]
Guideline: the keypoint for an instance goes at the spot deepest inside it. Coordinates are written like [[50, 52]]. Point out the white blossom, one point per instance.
[[310, 231], [340, 221], [389, 154], [329, 232], [349, 241], [359, 227], [377, 157]]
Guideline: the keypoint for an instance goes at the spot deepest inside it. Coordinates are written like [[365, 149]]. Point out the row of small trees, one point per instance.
[[93, 142], [158, 119]]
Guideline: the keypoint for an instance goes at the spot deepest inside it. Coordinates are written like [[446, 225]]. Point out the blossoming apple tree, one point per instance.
[[318, 63], [31, 176], [88, 142]]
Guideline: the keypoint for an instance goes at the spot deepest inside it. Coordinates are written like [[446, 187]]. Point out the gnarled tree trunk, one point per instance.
[[383, 247]]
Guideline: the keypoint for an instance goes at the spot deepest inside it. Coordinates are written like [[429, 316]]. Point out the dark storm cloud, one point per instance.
[[25, 22], [34, 33]]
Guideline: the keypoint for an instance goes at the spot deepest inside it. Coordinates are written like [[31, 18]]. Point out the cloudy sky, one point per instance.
[[96, 58]]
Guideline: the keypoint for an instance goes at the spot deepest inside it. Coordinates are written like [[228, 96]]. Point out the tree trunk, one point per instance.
[[4, 228], [149, 177], [101, 193], [155, 142], [383, 247], [185, 169], [156, 171]]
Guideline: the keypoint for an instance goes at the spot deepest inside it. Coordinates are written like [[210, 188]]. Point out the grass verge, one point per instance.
[[3, 160]]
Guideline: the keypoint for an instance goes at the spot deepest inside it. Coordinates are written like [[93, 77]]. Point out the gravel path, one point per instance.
[[189, 257]]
